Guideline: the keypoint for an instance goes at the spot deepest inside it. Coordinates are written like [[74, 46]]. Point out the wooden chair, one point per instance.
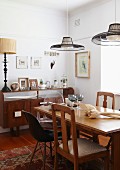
[[79, 150], [105, 96]]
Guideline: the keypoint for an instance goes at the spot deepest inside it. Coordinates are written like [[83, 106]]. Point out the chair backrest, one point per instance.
[[36, 129], [105, 97], [57, 99], [64, 112]]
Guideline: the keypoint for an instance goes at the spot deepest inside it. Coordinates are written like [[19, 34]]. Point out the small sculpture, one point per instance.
[[52, 64]]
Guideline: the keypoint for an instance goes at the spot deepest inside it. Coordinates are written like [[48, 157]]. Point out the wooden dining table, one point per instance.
[[102, 125]]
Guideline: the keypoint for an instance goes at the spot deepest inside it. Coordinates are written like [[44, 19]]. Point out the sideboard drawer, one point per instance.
[[13, 115]]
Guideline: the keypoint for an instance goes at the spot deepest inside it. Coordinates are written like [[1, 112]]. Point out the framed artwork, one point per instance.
[[21, 62], [33, 83], [82, 64], [23, 83], [35, 62]]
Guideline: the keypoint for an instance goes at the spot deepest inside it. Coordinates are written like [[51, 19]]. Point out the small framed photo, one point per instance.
[[23, 83], [33, 83], [35, 62], [82, 64], [21, 62]]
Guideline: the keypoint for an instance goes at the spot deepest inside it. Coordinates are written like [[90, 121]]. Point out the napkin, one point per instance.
[[93, 113], [90, 110]]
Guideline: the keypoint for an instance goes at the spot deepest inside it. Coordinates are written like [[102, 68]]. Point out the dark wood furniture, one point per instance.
[[11, 104], [105, 96], [103, 125], [76, 150]]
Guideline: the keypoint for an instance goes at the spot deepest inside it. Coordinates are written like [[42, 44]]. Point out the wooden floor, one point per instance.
[[24, 139], [9, 142]]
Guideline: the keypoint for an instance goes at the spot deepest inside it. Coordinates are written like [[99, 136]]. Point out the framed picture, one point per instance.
[[35, 62], [23, 83], [33, 83], [21, 62], [82, 64]]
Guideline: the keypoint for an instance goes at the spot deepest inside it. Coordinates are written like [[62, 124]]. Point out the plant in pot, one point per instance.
[[64, 80], [42, 85]]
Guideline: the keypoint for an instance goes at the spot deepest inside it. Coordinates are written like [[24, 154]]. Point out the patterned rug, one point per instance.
[[19, 158]]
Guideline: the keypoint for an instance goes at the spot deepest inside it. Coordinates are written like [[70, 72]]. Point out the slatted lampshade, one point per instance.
[[111, 37], [67, 42], [67, 45], [7, 46]]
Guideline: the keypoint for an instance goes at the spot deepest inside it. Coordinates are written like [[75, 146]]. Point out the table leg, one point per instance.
[[115, 151]]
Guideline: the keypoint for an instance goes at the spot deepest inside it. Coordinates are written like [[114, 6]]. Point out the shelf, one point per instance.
[[20, 91], [19, 97]]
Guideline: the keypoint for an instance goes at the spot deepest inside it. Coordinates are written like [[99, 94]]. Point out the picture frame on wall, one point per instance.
[[33, 83], [82, 64], [23, 83], [21, 62], [35, 62]]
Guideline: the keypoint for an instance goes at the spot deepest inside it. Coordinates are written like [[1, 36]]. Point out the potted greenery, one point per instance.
[[42, 85], [64, 82]]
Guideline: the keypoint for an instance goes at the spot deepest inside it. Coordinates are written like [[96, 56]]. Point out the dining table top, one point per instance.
[[104, 125]]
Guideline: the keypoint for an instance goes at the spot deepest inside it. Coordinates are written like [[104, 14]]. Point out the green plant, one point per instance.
[[41, 81], [64, 80]]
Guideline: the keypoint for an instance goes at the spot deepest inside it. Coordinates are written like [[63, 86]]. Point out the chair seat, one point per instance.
[[51, 134], [77, 151], [85, 147]]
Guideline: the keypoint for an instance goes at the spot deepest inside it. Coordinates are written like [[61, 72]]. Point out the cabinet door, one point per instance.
[[35, 103], [12, 113]]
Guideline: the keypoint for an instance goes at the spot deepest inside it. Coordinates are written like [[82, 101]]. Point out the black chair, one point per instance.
[[40, 135]]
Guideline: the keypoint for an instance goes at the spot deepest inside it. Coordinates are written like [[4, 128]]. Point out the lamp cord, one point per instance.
[[67, 15], [115, 11]]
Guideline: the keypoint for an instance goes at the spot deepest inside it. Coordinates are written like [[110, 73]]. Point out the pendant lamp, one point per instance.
[[110, 38], [67, 43]]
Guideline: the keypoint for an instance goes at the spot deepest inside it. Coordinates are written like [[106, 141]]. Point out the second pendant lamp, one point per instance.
[[67, 43], [110, 38]]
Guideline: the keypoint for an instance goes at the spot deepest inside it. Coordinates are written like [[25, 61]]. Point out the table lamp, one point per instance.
[[7, 46]]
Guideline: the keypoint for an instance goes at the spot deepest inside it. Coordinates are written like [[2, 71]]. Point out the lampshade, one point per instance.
[[7, 46], [67, 45], [110, 38]]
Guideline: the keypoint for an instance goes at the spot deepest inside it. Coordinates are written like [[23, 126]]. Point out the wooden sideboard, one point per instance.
[[12, 103]]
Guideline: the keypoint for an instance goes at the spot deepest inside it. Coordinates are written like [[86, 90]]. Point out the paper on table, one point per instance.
[[112, 115], [92, 112]]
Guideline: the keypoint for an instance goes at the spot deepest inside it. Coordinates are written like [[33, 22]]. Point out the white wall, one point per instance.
[[35, 30], [93, 20]]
